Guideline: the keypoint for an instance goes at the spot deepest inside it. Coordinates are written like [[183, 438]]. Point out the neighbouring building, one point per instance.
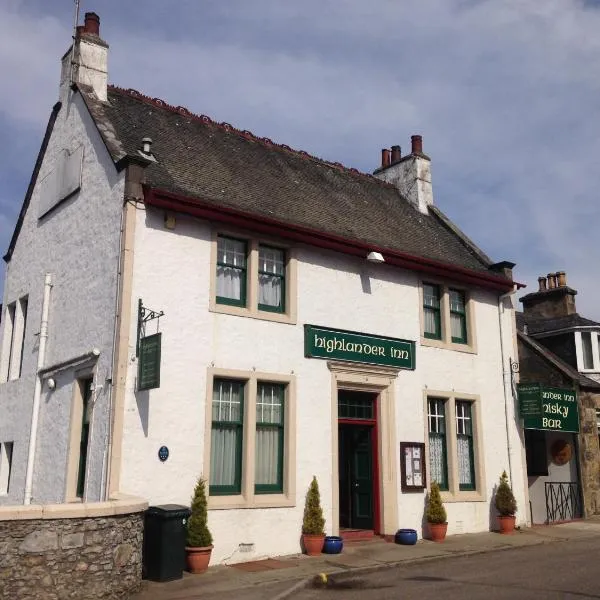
[[184, 298], [560, 384]]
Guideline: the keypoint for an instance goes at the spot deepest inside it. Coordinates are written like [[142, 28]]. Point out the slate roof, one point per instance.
[[568, 370], [542, 325], [218, 164]]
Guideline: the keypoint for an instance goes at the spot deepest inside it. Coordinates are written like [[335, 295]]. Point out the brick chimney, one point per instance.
[[411, 174], [86, 61], [554, 298]]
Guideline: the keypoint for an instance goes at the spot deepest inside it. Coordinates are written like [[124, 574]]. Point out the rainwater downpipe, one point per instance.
[[506, 374], [35, 414]]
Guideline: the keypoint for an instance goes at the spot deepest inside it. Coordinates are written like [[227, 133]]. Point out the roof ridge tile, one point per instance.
[[244, 133]]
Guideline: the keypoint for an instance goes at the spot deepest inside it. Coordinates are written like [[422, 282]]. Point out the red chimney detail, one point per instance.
[[80, 29], [91, 23], [385, 158], [395, 154], [416, 142]]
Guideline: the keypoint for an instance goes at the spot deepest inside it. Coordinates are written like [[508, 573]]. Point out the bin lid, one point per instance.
[[169, 511]]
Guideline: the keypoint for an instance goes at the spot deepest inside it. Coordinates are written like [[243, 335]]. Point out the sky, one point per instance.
[[504, 92]]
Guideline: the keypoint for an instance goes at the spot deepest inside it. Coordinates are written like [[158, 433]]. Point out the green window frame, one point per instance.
[[458, 316], [232, 266], [464, 443], [436, 415], [269, 442], [432, 317], [271, 278], [227, 432]]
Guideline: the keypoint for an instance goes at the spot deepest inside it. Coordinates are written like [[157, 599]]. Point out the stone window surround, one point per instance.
[[251, 309], [379, 380], [454, 494], [248, 498], [595, 341], [446, 341], [15, 316], [6, 451]]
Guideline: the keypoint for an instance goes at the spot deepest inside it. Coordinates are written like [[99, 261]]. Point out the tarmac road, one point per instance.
[[565, 570]]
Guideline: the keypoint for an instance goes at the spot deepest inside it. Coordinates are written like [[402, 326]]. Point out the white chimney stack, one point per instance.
[[86, 62], [411, 174]]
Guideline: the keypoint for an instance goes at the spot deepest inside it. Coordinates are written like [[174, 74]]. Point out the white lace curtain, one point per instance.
[[269, 421], [231, 268], [271, 270], [465, 464], [437, 459]]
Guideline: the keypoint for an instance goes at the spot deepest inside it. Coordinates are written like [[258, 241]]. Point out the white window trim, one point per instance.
[[247, 498], [454, 494], [12, 343], [446, 340], [595, 340], [251, 309]]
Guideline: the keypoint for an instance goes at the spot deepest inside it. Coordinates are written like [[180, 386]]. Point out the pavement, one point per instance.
[[281, 577]]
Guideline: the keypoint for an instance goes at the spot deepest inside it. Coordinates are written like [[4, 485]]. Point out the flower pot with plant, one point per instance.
[[199, 539], [506, 505], [313, 523], [435, 514]]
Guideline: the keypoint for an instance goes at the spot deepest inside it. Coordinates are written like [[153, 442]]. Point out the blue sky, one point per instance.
[[505, 94]]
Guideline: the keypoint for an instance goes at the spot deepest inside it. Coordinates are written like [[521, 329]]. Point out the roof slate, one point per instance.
[[542, 325], [218, 164]]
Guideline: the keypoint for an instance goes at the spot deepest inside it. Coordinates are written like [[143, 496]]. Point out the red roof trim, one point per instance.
[[198, 208], [265, 141]]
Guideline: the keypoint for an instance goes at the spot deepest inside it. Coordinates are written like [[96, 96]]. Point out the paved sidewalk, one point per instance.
[[281, 576]]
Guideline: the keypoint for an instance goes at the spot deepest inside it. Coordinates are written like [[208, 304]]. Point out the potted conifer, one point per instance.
[[435, 514], [313, 523], [199, 539], [506, 505]]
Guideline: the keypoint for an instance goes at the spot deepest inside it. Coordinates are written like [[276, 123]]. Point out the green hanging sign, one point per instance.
[[149, 362], [337, 344], [530, 400], [559, 409]]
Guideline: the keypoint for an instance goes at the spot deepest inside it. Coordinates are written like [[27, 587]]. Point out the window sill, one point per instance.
[[257, 501], [470, 496], [263, 315], [432, 343]]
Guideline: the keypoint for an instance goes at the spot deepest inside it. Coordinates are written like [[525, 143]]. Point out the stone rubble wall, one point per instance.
[[70, 558]]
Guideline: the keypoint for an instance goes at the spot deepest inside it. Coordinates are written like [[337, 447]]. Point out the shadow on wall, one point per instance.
[[142, 399], [493, 513]]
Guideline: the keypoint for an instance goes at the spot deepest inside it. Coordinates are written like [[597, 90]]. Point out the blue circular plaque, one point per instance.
[[163, 453]]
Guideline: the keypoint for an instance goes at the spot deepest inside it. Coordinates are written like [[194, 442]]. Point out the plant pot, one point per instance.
[[313, 544], [437, 531], [333, 544], [507, 524], [197, 559], [406, 537]]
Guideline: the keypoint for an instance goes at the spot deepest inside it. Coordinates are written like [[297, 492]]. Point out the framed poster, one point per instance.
[[412, 466]]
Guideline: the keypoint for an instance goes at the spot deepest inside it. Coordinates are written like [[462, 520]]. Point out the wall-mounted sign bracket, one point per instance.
[[144, 316]]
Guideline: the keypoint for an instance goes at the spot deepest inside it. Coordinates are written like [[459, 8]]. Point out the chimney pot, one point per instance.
[[385, 158], [562, 279], [416, 142], [80, 29], [91, 23], [396, 154], [542, 284], [551, 281]]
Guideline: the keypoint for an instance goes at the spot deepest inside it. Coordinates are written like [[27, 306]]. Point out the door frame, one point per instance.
[[373, 425], [380, 381]]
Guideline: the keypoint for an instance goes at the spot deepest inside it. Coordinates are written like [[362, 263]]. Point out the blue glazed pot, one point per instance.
[[333, 544], [407, 537]]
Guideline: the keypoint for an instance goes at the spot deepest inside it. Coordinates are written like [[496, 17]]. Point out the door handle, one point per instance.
[[356, 485]]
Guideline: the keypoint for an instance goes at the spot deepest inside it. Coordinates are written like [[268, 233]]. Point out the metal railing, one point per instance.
[[563, 501]]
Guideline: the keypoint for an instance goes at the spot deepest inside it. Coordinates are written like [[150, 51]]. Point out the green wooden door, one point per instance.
[[361, 477]]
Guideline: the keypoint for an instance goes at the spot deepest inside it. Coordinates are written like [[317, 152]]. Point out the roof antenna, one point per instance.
[[72, 78]]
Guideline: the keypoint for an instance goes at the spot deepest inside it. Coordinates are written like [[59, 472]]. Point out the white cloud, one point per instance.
[[505, 94]]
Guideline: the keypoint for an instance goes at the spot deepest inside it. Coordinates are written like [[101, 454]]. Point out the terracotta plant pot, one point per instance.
[[437, 531], [313, 544], [197, 558], [507, 524]]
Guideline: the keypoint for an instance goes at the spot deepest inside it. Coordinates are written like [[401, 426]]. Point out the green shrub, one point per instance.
[[505, 500], [198, 534], [313, 522], [435, 511]]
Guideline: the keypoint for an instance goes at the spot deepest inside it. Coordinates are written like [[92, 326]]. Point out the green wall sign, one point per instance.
[[530, 400], [337, 344], [559, 409], [149, 362]]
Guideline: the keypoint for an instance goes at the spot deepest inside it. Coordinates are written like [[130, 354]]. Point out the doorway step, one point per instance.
[[357, 535]]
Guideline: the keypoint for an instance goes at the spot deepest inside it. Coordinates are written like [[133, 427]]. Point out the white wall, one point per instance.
[[172, 271], [78, 243]]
